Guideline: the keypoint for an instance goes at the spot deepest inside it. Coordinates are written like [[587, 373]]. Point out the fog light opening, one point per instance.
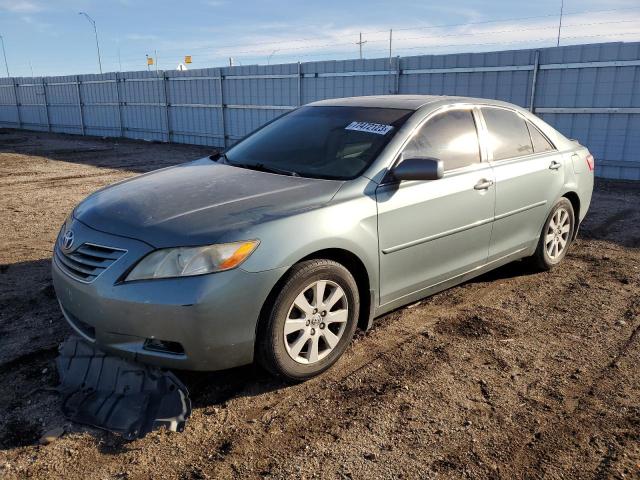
[[163, 346]]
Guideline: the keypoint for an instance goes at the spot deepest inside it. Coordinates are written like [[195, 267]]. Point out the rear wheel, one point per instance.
[[556, 236], [311, 321]]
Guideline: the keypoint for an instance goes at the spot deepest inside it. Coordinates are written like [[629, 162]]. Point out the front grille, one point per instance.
[[87, 261]]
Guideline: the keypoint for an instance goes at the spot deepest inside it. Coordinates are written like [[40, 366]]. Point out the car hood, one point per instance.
[[197, 203]]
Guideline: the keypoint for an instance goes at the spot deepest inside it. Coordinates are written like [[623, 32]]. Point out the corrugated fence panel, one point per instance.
[[588, 92], [64, 107], [346, 78], [195, 114], [99, 94], [143, 106], [30, 94], [8, 109], [239, 122]]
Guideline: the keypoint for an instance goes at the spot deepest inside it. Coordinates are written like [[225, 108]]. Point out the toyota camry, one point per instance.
[[312, 226]]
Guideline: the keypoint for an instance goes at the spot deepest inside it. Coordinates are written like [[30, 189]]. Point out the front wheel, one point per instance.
[[556, 236], [311, 321]]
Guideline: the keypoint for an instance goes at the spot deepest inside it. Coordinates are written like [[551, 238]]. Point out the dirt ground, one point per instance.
[[513, 375]]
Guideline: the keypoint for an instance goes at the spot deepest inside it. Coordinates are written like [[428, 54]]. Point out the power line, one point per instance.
[[385, 40], [421, 27], [220, 53]]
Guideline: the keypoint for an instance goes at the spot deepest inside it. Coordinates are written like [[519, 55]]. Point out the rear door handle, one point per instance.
[[555, 165], [483, 184]]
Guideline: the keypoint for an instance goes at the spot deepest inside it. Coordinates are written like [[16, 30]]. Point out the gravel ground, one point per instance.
[[513, 375]]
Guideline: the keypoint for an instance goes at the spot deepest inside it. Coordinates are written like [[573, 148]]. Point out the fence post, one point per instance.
[[46, 104], [119, 98], [165, 85], [534, 80], [398, 73], [15, 94], [299, 84], [80, 108], [222, 106]]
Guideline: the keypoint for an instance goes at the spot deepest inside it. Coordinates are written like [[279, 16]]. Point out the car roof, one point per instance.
[[408, 102]]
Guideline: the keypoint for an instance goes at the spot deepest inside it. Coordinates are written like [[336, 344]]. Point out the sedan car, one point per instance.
[[321, 220]]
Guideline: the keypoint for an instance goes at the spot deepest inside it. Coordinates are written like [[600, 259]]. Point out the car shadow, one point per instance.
[[518, 268]]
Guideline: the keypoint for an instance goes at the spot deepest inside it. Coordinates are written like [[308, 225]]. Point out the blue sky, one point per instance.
[[50, 38]]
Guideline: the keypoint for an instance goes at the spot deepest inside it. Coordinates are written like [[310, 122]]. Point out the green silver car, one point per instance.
[[314, 225]]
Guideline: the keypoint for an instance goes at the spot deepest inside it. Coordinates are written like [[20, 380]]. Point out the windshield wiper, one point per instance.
[[265, 168]]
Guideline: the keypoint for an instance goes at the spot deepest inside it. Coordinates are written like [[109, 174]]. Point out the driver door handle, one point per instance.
[[555, 165], [483, 184]]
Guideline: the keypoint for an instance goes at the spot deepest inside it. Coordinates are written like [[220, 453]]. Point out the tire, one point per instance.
[[546, 257], [318, 333]]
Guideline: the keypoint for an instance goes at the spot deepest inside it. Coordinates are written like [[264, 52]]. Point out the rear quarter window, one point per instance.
[[540, 142]]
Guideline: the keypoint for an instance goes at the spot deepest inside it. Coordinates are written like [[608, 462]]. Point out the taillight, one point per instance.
[[591, 162]]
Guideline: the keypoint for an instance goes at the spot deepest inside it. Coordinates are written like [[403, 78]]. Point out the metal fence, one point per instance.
[[588, 92]]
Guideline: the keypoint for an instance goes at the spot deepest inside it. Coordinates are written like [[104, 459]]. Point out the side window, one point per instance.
[[450, 137], [508, 133], [540, 143]]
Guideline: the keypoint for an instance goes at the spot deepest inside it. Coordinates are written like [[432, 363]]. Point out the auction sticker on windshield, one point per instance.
[[376, 128]]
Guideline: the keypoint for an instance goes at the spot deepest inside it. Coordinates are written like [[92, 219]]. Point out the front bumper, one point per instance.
[[212, 317]]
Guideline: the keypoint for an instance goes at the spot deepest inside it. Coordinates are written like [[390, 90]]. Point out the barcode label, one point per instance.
[[376, 128]]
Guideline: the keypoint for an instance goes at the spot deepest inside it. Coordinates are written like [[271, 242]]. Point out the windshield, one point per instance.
[[320, 142]]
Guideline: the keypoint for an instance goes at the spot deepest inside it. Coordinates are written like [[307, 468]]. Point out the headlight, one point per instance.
[[189, 261]]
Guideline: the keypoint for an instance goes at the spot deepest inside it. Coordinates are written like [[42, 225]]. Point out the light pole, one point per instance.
[[272, 54], [6, 65], [560, 23], [95, 30]]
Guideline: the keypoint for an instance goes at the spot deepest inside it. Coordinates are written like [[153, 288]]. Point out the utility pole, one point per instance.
[[155, 53], [95, 31], [148, 68], [360, 43], [119, 61], [390, 46], [6, 65], [560, 23]]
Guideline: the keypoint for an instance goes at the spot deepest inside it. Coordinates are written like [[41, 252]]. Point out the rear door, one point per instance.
[[431, 231], [529, 176]]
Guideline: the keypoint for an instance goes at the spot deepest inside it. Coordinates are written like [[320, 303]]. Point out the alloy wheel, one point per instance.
[[316, 321], [557, 236]]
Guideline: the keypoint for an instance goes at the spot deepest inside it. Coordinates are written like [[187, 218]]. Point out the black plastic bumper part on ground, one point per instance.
[[118, 395]]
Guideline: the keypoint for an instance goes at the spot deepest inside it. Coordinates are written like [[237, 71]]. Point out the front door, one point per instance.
[[431, 231]]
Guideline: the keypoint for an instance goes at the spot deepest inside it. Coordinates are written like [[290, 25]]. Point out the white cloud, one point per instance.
[[214, 3], [38, 25], [338, 42], [20, 6], [283, 43]]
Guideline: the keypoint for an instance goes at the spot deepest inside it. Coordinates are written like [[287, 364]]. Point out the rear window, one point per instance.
[[508, 133], [321, 142]]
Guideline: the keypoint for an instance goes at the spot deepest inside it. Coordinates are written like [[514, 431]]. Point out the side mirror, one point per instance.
[[419, 168]]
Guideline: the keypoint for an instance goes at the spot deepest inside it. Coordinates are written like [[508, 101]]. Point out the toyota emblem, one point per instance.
[[67, 240]]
